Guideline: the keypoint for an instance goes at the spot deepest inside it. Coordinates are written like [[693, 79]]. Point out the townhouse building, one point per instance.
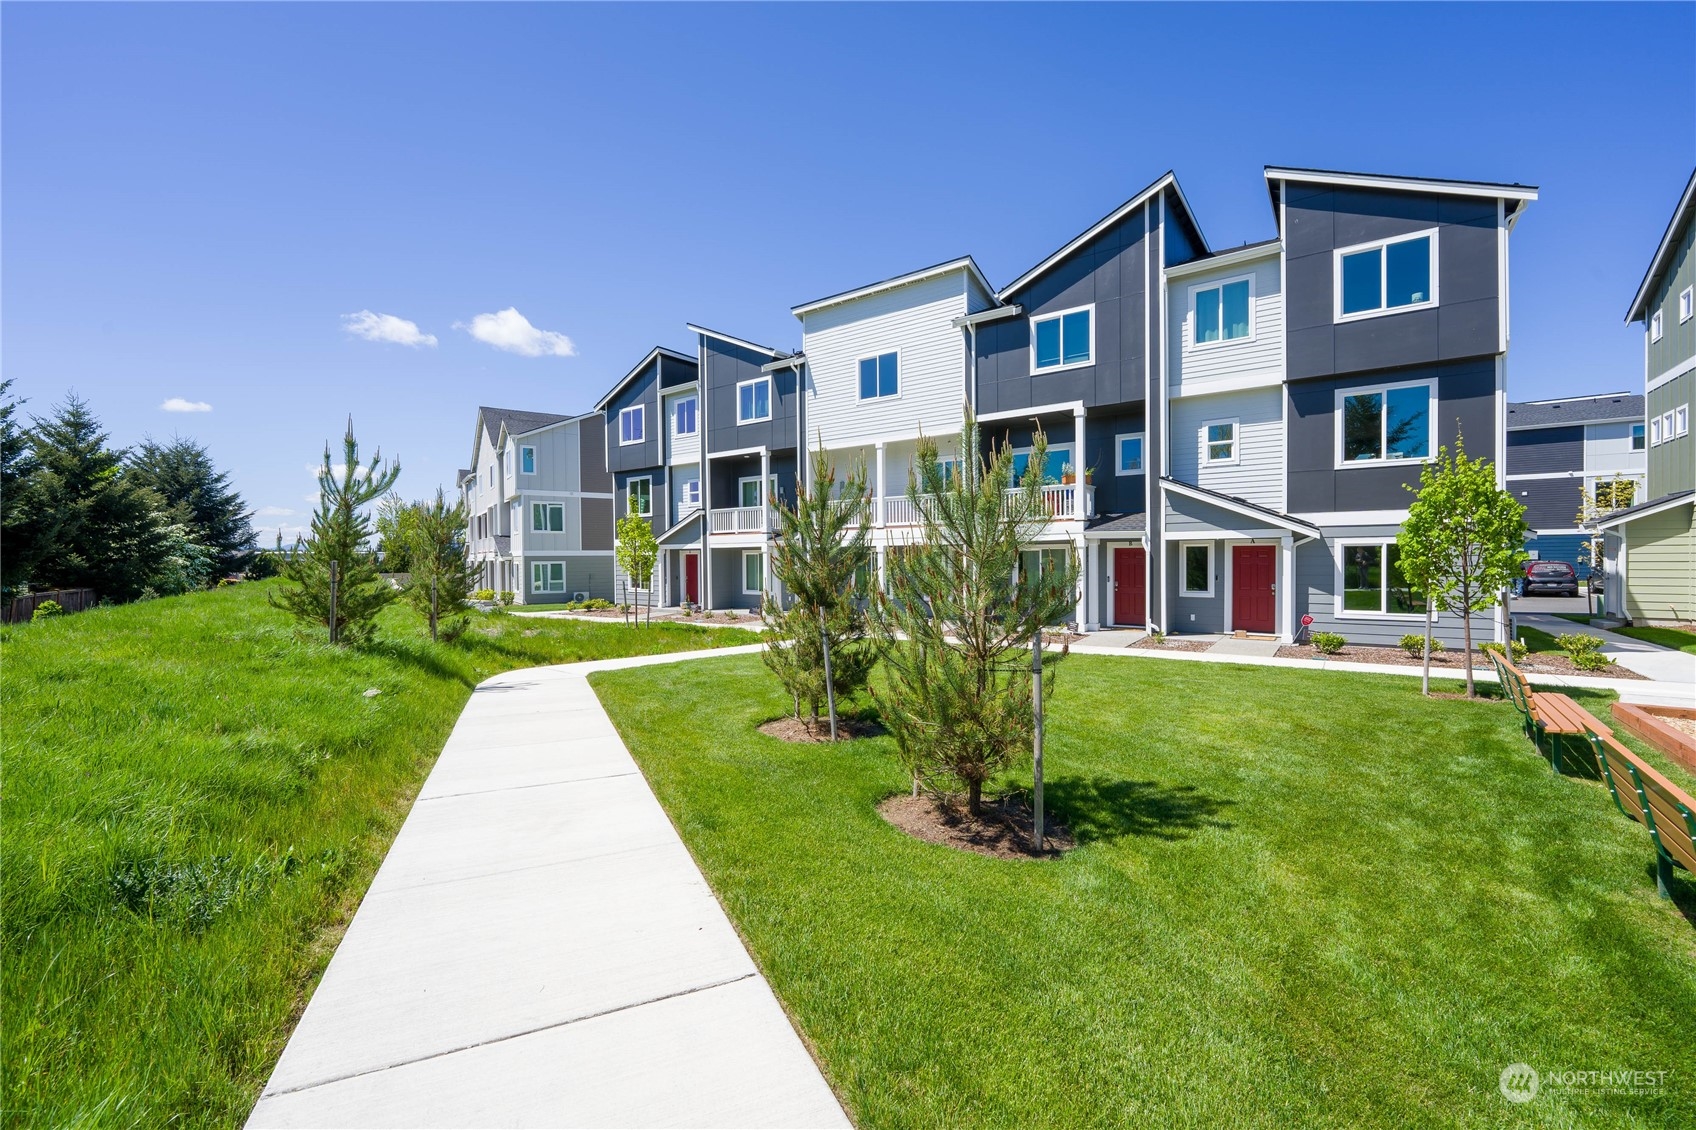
[[539, 504], [1559, 450], [1650, 548]]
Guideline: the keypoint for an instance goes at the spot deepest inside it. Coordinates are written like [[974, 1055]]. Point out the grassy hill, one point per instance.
[[196, 797]]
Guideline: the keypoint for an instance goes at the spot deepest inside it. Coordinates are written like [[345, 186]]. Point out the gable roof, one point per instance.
[[964, 262], [1242, 506], [1516, 196], [1168, 179], [515, 421], [656, 351], [754, 345], [1612, 407], [1663, 253]]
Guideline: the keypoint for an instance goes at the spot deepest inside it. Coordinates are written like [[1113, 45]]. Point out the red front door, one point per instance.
[[692, 577], [1254, 602], [1130, 586]]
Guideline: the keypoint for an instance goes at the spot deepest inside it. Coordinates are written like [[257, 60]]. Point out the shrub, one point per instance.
[[1520, 649], [506, 596], [47, 609], [1591, 661], [1157, 636], [483, 594], [1577, 644], [1414, 645], [1327, 643]]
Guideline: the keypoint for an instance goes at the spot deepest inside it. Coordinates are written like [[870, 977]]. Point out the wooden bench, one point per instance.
[[1548, 717], [1653, 801]]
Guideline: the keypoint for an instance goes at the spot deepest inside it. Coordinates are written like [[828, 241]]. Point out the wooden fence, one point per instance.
[[71, 600]]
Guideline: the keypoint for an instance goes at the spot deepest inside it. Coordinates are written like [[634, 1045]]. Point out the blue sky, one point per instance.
[[196, 197]]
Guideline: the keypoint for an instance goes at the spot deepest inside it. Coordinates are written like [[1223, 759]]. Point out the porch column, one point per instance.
[[765, 523], [1288, 601], [1078, 464], [877, 500], [882, 566], [1085, 576], [1092, 584]]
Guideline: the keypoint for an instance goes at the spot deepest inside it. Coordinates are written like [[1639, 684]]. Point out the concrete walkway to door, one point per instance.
[[539, 949]]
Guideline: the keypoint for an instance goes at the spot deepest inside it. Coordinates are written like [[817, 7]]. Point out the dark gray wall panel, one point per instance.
[[674, 372], [727, 366], [726, 477], [597, 523], [1539, 450], [643, 389], [592, 449], [1550, 504]]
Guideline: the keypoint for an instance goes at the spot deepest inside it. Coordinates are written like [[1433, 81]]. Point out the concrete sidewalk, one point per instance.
[[1662, 664], [539, 949]]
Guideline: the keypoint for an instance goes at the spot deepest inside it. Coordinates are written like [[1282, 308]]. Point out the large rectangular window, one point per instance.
[[547, 576], [1063, 339], [1196, 563], [1059, 458], [1222, 312], [749, 489], [1373, 583], [547, 517], [1129, 448], [753, 572], [1386, 276], [527, 460], [880, 376], [633, 424], [683, 416], [1381, 424], [753, 401], [641, 496]]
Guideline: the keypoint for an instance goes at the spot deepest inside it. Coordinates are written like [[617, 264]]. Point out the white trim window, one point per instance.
[[1386, 276], [1639, 440], [1219, 442], [683, 416], [753, 400], [1058, 460], [1127, 454], [1681, 421], [547, 576], [1655, 431], [527, 460], [748, 490], [1370, 582], [753, 572], [639, 496], [1686, 304], [689, 495], [632, 424], [880, 376], [1655, 324], [547, 517], [1195, 568], [1064, 339], [1383, 423], [1222, 311]]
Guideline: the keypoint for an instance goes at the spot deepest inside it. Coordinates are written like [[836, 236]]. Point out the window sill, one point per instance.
[[877, 399], [630, 442], [1204, 346], [755, 420], [1047, 369], [1363, 315], [1411, 617], [1196, 595], [1412, 460]]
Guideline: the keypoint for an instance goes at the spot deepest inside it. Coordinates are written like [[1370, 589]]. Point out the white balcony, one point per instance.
[[1065, 502], [741, 520]]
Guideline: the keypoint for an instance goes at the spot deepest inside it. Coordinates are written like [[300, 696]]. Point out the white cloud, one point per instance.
[[511, 331], [386, 327], [178, 404], [273, 512]]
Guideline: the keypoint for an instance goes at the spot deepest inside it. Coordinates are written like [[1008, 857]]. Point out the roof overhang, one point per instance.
[[963, 263], [1166, 180], [755, 346], [1514, 196], [679, 529], [1254, 252], [1238, 506], [1647, 509], [793, 361], [656, 352], [994, 313], [1663, 252], [1071, 406]]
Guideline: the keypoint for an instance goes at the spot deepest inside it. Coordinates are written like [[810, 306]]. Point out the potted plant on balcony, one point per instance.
[[1068, 475], [1089, 476]]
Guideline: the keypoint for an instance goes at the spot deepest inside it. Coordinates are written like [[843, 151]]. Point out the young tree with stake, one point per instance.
[[637, 550]]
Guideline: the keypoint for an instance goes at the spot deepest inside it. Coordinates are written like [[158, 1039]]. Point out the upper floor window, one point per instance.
[[1680, 421], [689, 494], [1056, 466], [489, 475], [1128, 452], [1655, 430], [1222, 312], [527, 460], [1219, 441], [641, 492], [1061, 340], [548, 517], [683, 416], [1393, 422], [633, 424], [880, 376], [1638, 442], [1387, 276], [748, 490], [1655, 327], [753, 401], [1686, 304]]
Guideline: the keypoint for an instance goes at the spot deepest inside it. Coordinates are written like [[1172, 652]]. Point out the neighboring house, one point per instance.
[[539, 504], [1650, 549], [1558, 450]]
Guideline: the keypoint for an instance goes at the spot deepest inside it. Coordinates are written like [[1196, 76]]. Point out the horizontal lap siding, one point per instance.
[[1550, 504], [1537, 451], [1258, 475], [1192, 368], [1660, 563], [1315, 595]]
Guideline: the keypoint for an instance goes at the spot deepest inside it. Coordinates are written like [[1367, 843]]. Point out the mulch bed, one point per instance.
[[803, 730], [1449, 661], [1147, 643], [1003, 831]]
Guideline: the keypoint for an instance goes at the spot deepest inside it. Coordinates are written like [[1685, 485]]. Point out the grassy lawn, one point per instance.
[[1538, 640], [195, 801], [1675, 638], [1300, 899]]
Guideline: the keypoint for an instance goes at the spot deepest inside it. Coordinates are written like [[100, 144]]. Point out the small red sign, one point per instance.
[[1306, 621]]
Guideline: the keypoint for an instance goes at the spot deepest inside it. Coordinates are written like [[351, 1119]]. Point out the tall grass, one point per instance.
[[196, 796]]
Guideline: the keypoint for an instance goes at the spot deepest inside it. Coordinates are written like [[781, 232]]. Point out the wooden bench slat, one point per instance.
[[1669, 815]]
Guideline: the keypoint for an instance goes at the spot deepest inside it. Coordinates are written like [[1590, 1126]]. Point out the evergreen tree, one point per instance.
[[957, 700], [26, 531], [1464, 538], [341, 527], [200, 497], [822, 557], [426, 540], [109, 530]]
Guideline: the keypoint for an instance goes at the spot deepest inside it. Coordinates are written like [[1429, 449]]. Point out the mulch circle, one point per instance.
[[803, 730], [1003, 831]]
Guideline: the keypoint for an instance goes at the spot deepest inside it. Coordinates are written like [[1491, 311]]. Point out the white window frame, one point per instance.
[[630, 493], [690, 499], [526, 452], [638, 413], [1219, 284], [1681, 421], [1338, 255], [546, 509], [1639, 432], [1383, 390], [1184, 589], [1052, 448], [770, 393], [1686, 304], [1118, 454], [1207, 459], [756, 553], [1384, 546], [1654, 431], [695, 417], [544, 570], [896, 395], [1655, 325], [771, 488], [1049, 316]]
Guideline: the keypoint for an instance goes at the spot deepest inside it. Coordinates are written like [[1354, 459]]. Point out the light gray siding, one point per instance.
[[1317, 576], [1194, 368], [1257, 475]]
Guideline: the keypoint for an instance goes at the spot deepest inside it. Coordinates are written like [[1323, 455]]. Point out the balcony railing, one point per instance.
[[740, 520], [1064, 502]]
